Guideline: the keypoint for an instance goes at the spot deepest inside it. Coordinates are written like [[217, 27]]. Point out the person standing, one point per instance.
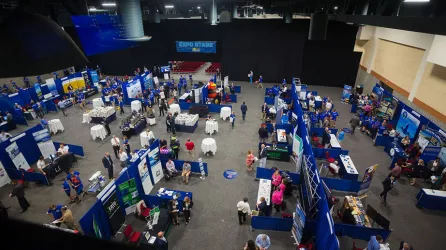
[[186, 172], [55, 212], [374, 242], [249, 160], [262, 207], [121, 105], [125, 143], [107, 128], [67, 218], [77, 185], [187, 206], [244, 108], [250, 75], [354, 122], [162, 106], [326, 137], [169, 123], [263, 242], [123, 157], [108, 164], [115, 145], [262, 156], [175, 146], [387, 186], [190, 147], [67, 189], [232, 119], [19, 192], [161, 242], [265, 110], [243, 209], [263, 133], [62, 107], [173, 211]]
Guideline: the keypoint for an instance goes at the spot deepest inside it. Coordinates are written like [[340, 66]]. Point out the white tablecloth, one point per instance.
[[186, 119], [145, 137], [348, 163], [151, 121], [211, 127], [264, 190], [97, 102], [184, 96], [102, 112], [55, 125], [86, 118], [174, 108], [318, 99], [281, 135], [272, 110], [334, 141], [209, 144], [225, 112], [136, 106], [98, 131]]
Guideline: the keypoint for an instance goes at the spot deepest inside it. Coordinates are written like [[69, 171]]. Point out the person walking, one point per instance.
[[190, 147], [67, 189], [354, 122], [162, 106], [115, 145], [249, 160], [19, 192], [243, 209], [387, 186], [108, 164], [262, 156], [263, 133], [244, 108], [265, 111], [121, 105], [187, 206], [260, 82], [61, 105], [67, 218], [232, 119]]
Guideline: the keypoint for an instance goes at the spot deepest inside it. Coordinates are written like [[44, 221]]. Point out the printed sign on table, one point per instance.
[[17, 157], [145, 177]]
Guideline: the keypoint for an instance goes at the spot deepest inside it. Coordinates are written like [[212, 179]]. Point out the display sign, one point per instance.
[[133, 88], [165, 69], [145, 176], [76, 83], [431, 137], [130, 195], [346, 93], [51, 84], [116, 217], [94, 77], [86, 78], [197, 46], [4, 178], [298, 223], [298, 150], [17, 157], [408, 124], [38, 91], [155, 165], [44, 142], [367, 179]]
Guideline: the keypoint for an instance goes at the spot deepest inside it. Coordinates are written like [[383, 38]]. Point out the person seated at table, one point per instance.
[[347, 216], [186, 172], [374, 242], [163, 143], [41, 165], [171, 170], [405, 246], [277, 199], [405, 142], [335, 167], [63, 149], [10, 121], [4, 136], [262, 207], [276, 179]]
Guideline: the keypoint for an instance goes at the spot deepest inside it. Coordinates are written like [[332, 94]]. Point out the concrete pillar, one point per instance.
[[234, 12], [213, 14], [131, 17]]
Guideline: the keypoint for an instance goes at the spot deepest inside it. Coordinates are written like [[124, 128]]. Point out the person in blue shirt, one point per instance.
[[121, 105], [190, 79], [232, 117], [334, 116], [67, 189], [374, 242], [260, 82], [54, 211], [263, 242], [284, 81]]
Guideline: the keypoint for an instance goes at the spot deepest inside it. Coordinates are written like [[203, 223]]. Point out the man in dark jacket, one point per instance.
[[244, 108], [161, 242], [326, 137], [354, 122], [19, 192], [108, 164], [263, 133]]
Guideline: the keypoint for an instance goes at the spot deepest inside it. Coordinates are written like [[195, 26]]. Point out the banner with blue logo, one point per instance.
[[44, 142], [51, 84], [346, 93], [38, 91], [197, 46], [429, 137], [94, 77], [408, 124]]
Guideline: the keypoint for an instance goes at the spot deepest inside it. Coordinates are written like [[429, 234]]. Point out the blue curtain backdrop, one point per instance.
[[97, 213]]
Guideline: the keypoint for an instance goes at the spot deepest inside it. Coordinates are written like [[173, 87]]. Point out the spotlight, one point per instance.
[[336, 7], [416, 1], [198, 7], [109, 4], [169, 6]]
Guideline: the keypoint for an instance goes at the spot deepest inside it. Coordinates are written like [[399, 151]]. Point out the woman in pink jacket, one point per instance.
[[276, 179], [277, 199]]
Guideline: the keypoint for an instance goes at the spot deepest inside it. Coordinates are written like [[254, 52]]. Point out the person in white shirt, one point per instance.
[[311, 104], [284, 89], [4, 136], [328, 105], [243, 209], [162, 95], [392, 133], [170, 166], [63, 149], [335, 167], [116, 145], [309, 95], [123, 157], [41, 165]]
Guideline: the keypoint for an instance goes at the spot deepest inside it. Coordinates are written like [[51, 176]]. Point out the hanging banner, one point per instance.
[[346, 93], [51, 84], [86, 78], [298, 150], [133, 88], [94, 77], [367, 179], [145, 176], [44, 142], [431, 137], [130, 195], [197, 46], [4, 178], [155, 165], [17, 157], [407, 124], [38, 91]]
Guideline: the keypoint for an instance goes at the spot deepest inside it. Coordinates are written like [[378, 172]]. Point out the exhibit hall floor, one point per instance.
[[214, 222]]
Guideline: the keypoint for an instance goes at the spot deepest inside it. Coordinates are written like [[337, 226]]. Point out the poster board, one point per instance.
[[44, 142], [17, 157], [299, 219], [408, 123], [130, 195], [51, 84], [431, 137], [367, 179], [4, 177], [133, 88], [145, 176], [155, 165], [38, 91]]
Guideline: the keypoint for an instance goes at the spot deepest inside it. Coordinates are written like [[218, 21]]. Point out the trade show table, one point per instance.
[[334, 142], [358, 211], [163, 196], [186, 123], [99, 115], [431, 199], [278, 153], [347, 169], [60, 164]]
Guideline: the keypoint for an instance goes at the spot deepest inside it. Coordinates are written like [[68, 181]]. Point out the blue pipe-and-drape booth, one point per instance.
[[195, 166], [271, 223], [267, 173], [95, 222], [15, 174], [320, 131], [75, 149], [332, 152]]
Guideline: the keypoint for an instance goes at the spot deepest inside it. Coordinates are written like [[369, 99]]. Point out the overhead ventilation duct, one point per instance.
[[288, 16], [131, 19], [50, 48], [318, 26]]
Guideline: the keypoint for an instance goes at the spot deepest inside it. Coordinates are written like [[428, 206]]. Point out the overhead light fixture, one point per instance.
[[260, 7], [169, 6], [109, 4], [92, 9], [416, 1], [336, 7], [198, 7]]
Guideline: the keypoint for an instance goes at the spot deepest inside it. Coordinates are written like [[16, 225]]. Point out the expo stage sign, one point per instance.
[[197, 46]]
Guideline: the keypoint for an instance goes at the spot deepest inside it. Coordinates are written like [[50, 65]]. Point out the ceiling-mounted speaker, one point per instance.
[[318, 26]]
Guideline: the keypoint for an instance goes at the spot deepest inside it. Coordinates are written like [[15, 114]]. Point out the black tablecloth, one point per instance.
[[278, 154], [201, 110], [163, 225], [61, 164]]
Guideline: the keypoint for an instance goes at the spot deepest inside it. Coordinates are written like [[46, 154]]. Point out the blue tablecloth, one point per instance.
[[344, 174], [429, 200], [394, 150], [159, 199], [269, 100], [141, 126]]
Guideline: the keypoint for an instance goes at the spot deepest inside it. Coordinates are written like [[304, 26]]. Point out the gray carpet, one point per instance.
[[214, 223]]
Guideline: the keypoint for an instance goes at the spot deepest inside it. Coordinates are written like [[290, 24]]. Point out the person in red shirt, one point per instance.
[[190, 147]]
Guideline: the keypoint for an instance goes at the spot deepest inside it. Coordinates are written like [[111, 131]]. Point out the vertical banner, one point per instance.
[[130, 195], [407, 124], [44, 142], [145, 176], [367, 179], [346, 93], [94, 77], [155, 165], [226, 81], [298, 150], [133, 87], [17, 157], [38, 91], [51, 86], [4, 178], [86, 78]]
